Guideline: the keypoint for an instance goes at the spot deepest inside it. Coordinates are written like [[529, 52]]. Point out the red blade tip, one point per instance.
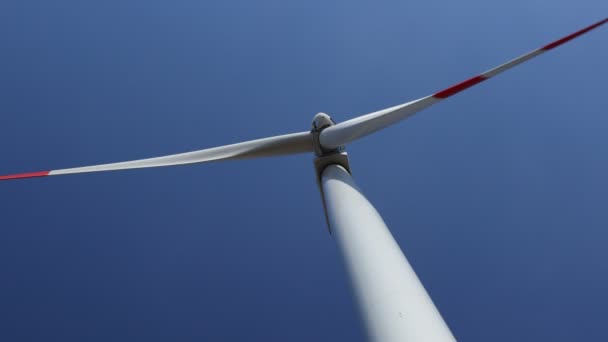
[[574, 35], [26, 175]]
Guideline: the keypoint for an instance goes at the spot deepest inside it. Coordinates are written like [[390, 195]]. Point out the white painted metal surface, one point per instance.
[[394, 305]]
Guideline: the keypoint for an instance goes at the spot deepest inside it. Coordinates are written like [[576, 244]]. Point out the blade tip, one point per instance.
[[569, 37], [26, 175]]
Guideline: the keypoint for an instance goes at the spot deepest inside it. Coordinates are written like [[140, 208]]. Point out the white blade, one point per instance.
[[266, 147], [344, 132]]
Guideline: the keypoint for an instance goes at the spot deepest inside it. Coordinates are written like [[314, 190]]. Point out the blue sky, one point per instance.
[[497, 195]]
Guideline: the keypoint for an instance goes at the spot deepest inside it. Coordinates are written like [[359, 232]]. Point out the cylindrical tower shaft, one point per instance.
[[394, 305]]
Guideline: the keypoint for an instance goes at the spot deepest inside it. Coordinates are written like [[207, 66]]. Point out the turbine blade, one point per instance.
[[344, 132], [266, 147]]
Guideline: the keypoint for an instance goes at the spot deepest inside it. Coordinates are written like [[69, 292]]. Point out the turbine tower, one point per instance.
[[393, 304]]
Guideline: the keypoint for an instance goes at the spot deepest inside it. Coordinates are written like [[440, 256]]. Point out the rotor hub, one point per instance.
[[320, 122]]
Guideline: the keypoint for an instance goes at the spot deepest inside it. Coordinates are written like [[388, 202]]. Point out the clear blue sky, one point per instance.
[[497, 196]]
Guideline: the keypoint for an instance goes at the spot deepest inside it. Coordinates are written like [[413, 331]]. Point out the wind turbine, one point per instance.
[[393, 303]]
